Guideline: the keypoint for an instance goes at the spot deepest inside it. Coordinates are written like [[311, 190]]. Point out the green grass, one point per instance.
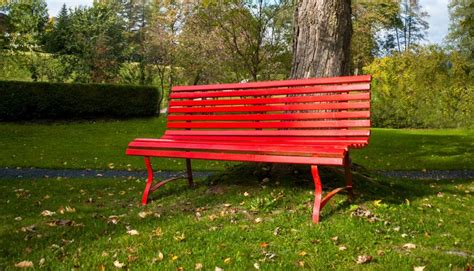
[[102, 144], [215, 223]]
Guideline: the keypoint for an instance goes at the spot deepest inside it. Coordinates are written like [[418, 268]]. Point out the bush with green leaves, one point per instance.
[[428, 88], [41, 100]]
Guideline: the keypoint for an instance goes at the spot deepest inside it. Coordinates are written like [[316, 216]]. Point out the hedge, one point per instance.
[[41, 100]]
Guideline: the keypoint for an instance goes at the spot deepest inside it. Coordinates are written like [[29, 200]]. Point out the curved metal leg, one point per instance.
[[318, 189], [149, 180]]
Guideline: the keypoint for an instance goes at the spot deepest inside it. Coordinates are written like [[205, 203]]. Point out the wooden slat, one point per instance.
[[276, 141], [283, 83], [288, 116], [286, 124], [222, 146], [275, 91], [238, 157], [296, 99], [341, 141], [311, 133], [269, 108]]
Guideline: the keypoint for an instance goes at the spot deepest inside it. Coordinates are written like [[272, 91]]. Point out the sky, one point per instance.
[[437, 10]]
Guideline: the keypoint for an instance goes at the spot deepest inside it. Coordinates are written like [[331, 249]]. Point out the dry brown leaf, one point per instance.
[[264, 244], [361, 259], [158, 232], [133, 232], [218, 269], [24, 264], [409, 246], [118, 264], [42, 262], [342, 248], [113, 219], [301, 263], [160, 256], [101, 267], [174, 258], [144, 214], [256, 266], [303, 253], [47, 213], [419, 268], [198, 266], [179, 237], [227, 260], [258, 220]]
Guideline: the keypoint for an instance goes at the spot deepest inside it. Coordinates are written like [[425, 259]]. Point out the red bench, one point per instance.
[[306, 121]]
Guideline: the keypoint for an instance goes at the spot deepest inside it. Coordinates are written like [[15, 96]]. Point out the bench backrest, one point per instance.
[[328, 110]]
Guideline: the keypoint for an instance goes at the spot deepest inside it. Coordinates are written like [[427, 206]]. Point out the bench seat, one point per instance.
[[312, 121]]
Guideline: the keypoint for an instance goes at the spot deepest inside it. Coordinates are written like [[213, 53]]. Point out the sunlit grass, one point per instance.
[[102, 144], [237, 222]]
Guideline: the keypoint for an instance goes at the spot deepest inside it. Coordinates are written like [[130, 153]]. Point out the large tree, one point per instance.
[[322, 38]]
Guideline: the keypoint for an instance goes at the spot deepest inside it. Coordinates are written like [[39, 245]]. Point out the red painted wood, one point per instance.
[[309, 133], [269, 108], [287, 116], [318, 190], [149, 180], [238, 147], [287, 124], [276, 91], [283, 83], [276, 140], [296, 99], [238, 157]]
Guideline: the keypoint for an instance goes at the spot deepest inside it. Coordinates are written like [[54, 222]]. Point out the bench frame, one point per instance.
[[319, 201]]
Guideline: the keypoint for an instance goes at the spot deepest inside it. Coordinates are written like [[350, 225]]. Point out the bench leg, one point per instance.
[[149, 180], [190, 172], [318, 189], [348, 173]]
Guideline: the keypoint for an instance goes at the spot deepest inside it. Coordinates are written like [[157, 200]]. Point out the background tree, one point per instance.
[[461, 29], [369, 19], [322, 38]]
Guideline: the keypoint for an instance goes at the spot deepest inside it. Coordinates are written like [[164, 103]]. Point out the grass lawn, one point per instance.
[[236, 222], [102, 144]]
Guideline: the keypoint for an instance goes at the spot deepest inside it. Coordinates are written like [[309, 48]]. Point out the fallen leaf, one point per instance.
[[276, 231], [144, 214], [70, 209], [118, 264], [133, 232], [158, 232], [101, 267], [218, 269], [258, 220], [41, 262], [342, 248], [31, 228], [264, 244], [301, 263], [47, 213], [303, 253], [227, 260], [256, 266], [409, 246], [335, 238], [198, 266], [113, 219], [174, 258], [246, 194], [24, 264], [179, 237], [18, 218], [63, 222], [160, 255], [419, 268], [361, 259]]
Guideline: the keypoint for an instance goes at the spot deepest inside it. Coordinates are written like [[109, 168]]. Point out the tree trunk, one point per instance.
[[322, 38]]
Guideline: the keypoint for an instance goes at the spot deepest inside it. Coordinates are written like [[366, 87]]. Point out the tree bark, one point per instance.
[[322, 38]]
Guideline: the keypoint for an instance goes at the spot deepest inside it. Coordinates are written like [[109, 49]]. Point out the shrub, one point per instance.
[[40, 100], [425, 89]]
